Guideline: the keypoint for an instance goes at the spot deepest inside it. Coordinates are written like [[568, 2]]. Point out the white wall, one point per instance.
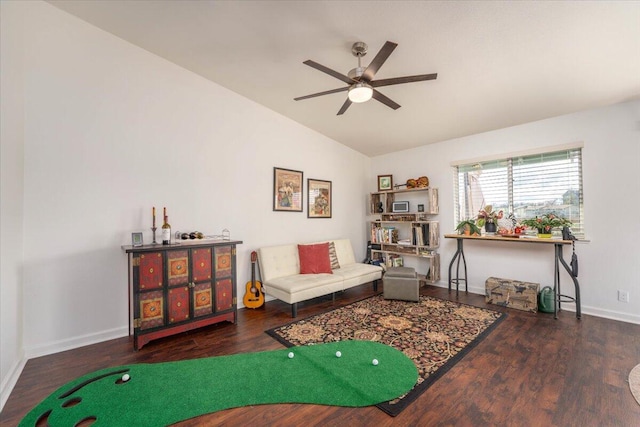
[[11, 194], [611, 158], [111, 130]]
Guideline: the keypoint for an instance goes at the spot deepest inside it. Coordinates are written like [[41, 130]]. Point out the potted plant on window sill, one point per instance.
[[546, 223], [468, 227], [488, 218]]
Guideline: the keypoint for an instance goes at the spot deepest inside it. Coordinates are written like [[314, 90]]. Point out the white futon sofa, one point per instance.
[[281, 278]]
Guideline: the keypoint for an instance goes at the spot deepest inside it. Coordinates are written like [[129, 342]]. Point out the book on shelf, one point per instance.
[[420, 234], [393, 260], [383, 234]]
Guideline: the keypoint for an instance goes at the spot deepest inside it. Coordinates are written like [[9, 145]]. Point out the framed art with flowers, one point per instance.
[[385, 182]]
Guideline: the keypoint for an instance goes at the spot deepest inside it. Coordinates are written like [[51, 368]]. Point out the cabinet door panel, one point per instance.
[[202, 300], [151, 309], [223, 261], [178, 267], [224, 294], [178, 304], [201, 259], [150, 270]]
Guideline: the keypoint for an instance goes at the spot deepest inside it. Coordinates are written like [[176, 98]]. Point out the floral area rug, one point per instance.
[[434, 333]]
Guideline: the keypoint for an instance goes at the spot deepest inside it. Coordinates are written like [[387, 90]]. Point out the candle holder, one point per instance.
[[154, 235]]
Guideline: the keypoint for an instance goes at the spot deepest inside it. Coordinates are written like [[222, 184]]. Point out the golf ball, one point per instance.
[[375, 362], [338, 354], [125, 378], [291, 355]]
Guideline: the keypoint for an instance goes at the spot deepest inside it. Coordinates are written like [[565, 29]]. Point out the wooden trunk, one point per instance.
[[512, 293]]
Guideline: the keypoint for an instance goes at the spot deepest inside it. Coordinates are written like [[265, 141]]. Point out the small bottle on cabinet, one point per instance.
[[166, 229]]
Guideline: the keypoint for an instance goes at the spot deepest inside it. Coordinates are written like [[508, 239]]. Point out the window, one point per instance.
[[524, 186]]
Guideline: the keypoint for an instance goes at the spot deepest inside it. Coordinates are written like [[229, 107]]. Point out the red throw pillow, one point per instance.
[[314, 259]]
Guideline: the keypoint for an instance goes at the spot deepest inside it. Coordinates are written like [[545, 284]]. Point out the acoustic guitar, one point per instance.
[[253, 297]]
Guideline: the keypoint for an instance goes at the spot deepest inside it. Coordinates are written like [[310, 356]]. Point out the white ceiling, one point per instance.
[[499, 64]]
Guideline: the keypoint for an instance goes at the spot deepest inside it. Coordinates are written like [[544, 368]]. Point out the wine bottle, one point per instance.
[[166, 231]]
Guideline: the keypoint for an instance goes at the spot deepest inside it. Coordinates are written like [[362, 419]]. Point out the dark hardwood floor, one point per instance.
[[531, 370]]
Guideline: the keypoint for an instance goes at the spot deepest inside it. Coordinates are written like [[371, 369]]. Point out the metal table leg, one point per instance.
[[559, 259], [459, 255]]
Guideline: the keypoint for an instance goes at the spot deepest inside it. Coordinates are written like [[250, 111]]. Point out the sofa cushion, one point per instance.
[[278, 261], [314, 259], [333, 256], [344, 251], [303, 282], [357, 273]]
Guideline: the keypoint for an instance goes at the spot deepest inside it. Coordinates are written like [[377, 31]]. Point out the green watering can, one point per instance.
[[546, 299]]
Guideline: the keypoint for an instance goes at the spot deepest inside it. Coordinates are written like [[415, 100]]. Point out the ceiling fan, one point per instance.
[[361, 85]]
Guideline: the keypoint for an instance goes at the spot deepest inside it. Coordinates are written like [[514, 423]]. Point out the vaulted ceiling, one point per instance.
[[499, 64]]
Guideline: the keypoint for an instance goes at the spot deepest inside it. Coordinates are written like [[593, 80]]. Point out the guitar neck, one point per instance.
[[254, 259]]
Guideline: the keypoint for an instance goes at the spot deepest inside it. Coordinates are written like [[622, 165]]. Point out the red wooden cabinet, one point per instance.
[[180, 287]]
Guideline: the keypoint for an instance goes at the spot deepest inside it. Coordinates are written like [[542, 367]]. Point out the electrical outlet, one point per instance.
[[623, 296]]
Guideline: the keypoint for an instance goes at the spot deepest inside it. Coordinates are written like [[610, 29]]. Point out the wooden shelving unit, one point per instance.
[[394, 235]]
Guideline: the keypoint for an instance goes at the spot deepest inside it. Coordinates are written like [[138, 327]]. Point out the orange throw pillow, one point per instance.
[[314, 259]]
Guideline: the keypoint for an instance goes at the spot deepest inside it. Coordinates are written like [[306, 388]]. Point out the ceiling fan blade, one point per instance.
[[400, 80], [326, 92], [344, 107], [329, 71], [377, 62], [386, 101]]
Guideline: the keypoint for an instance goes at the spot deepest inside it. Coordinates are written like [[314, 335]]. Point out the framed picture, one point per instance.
[[385, 182], [136, 239], [287, 190], [319, 198]]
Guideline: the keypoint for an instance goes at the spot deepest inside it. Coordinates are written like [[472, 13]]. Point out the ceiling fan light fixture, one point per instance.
[[360, 92]]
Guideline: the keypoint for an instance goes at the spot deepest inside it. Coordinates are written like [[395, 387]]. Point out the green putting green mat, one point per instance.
[[165, 393]]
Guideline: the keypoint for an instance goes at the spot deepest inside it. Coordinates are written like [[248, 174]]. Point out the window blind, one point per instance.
[[525, 186]]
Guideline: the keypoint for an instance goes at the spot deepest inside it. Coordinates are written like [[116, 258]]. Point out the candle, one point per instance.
[[154, 216]]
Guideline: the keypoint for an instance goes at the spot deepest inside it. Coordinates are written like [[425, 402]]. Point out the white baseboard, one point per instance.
[[72, 343], [11, 380], [609, 314], [55, 347], [591, 311]]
